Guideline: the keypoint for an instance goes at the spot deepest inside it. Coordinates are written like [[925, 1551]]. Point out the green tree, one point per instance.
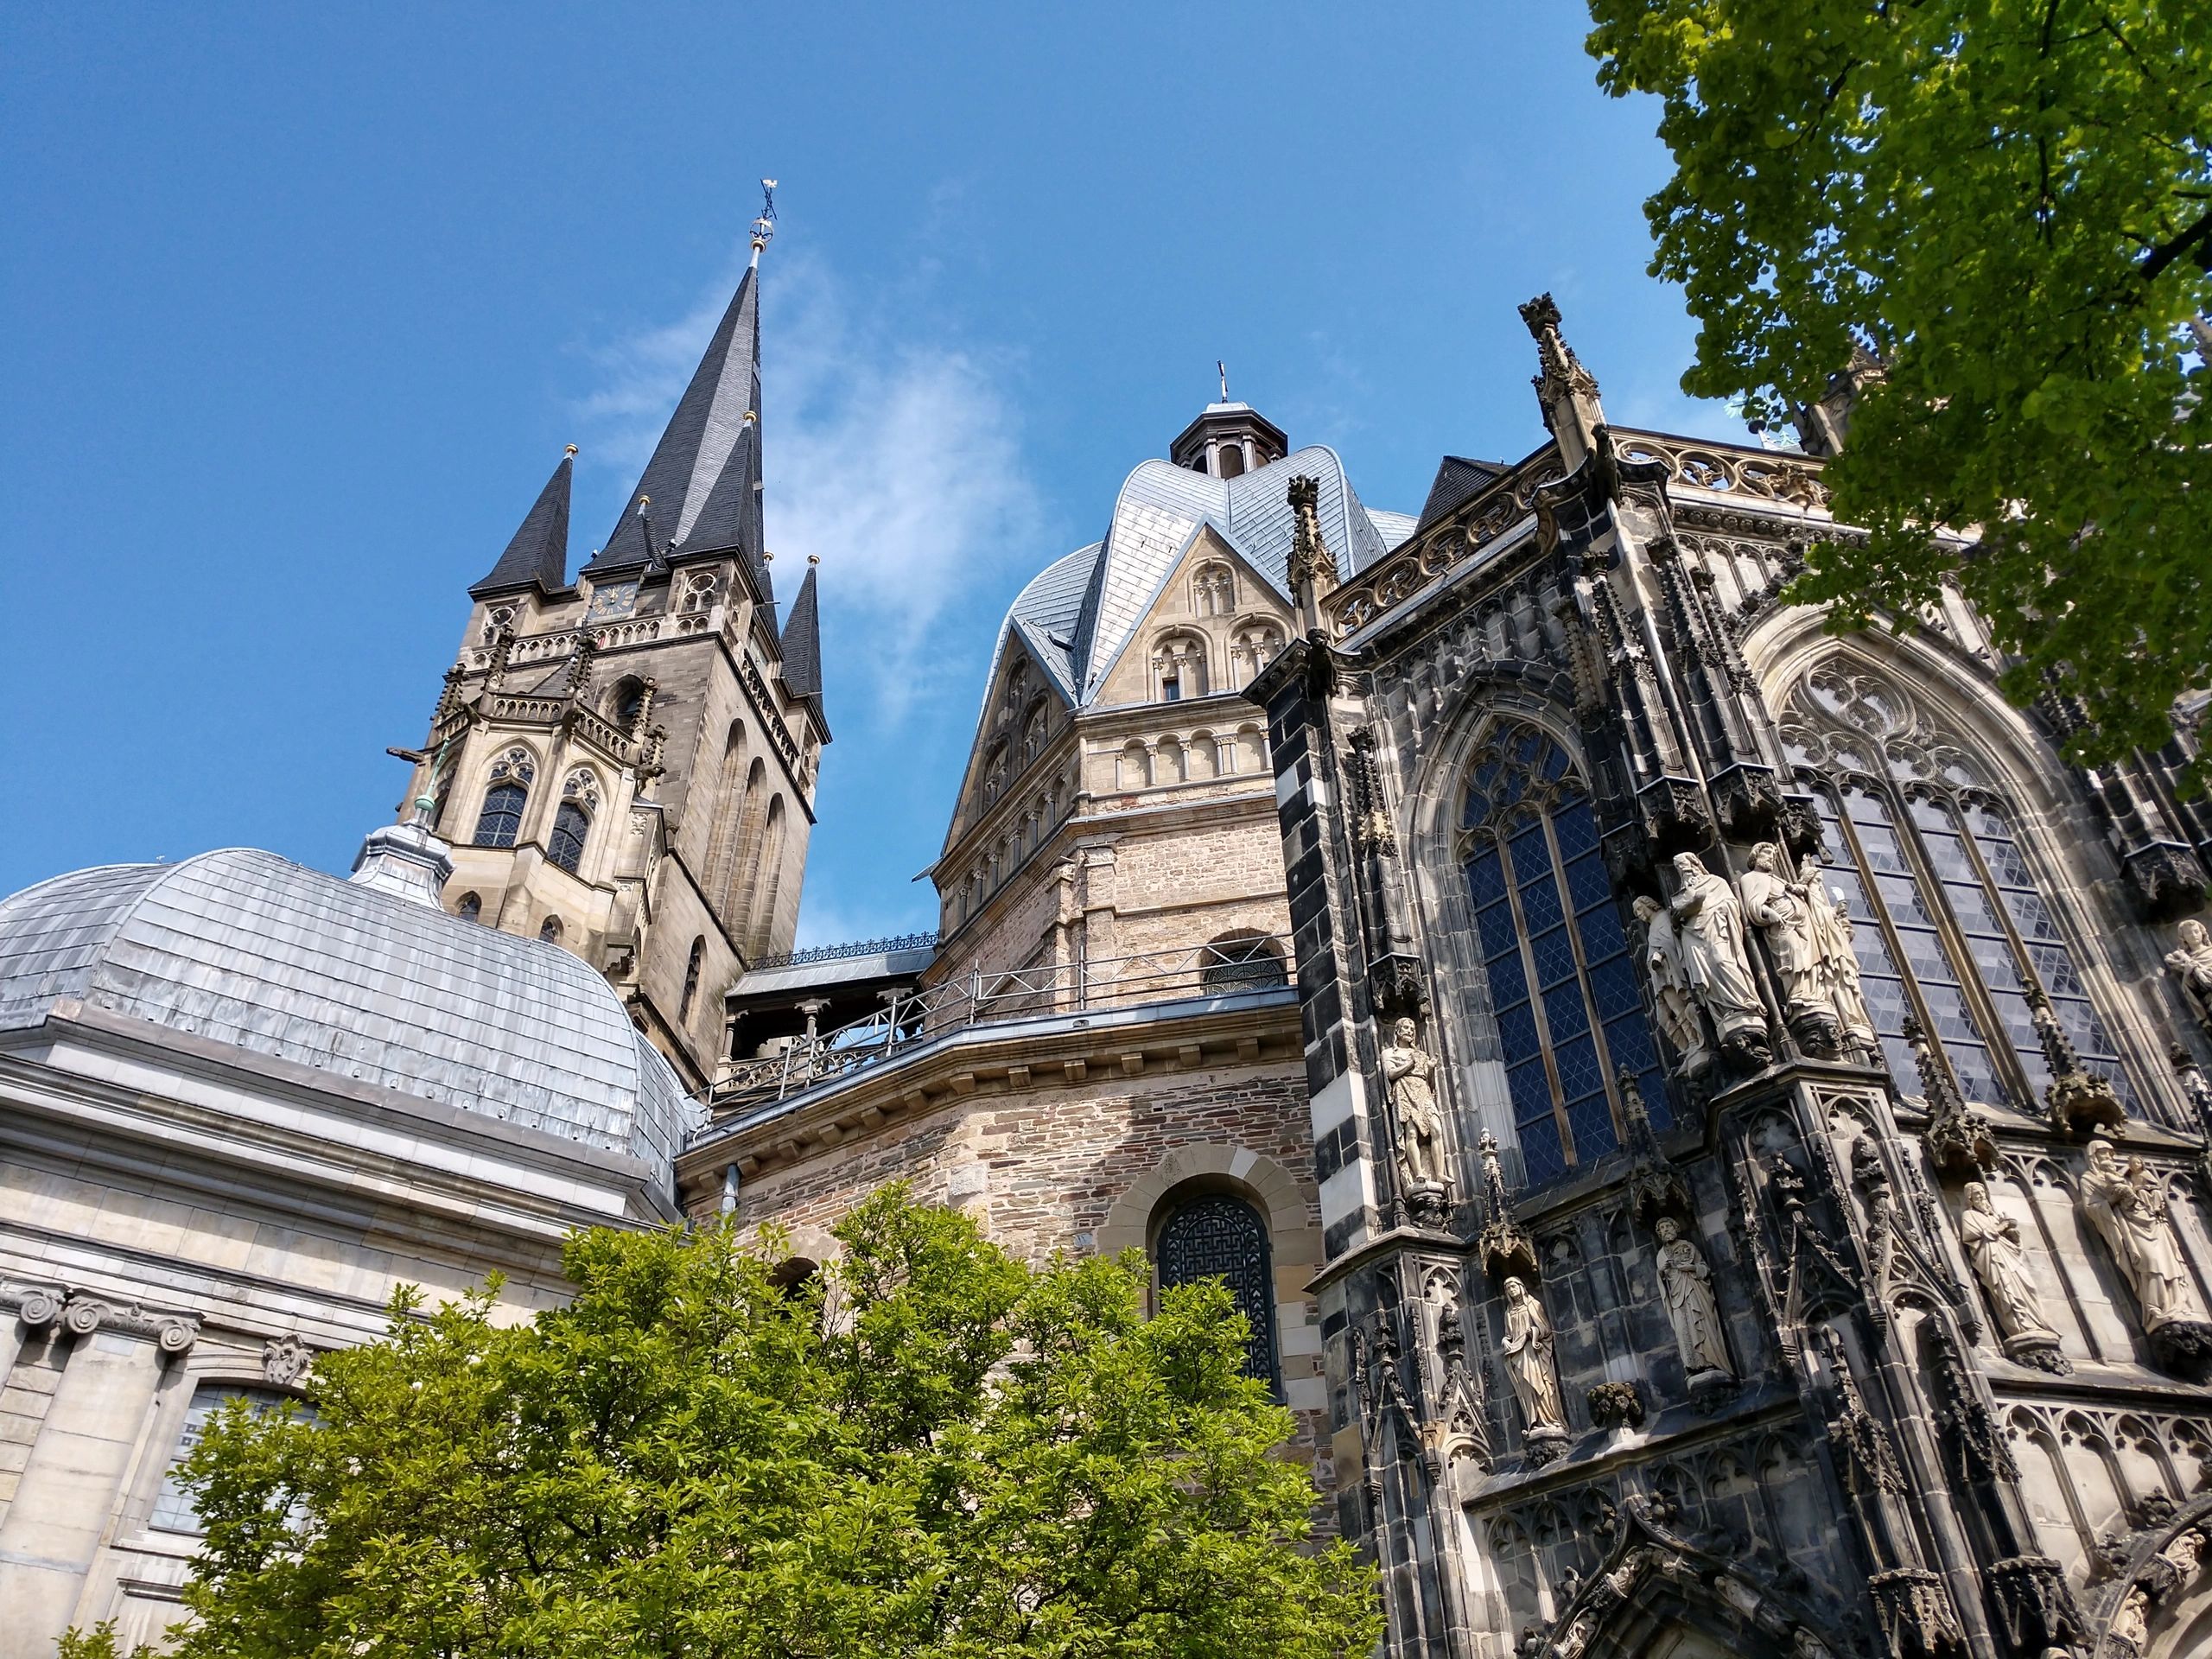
[[2010, 204], [927, 1449]]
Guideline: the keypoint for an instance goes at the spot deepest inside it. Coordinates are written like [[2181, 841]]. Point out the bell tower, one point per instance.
[[1229, 440], [624, 761]]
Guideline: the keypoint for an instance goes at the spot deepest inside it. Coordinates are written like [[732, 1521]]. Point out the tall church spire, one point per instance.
[[802, 649], [704, 478], [538, 554]]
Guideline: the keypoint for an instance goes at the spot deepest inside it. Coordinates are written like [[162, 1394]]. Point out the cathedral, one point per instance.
[[1705, 1117]]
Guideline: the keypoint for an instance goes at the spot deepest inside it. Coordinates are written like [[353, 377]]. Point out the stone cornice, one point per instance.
[[81, 1314]]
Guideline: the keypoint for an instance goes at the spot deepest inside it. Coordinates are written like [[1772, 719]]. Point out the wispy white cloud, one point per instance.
[[895, 460]]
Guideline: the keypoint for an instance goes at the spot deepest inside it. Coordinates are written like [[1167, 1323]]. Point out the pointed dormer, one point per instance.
[[701, 491], [538, 554], [801, 650]]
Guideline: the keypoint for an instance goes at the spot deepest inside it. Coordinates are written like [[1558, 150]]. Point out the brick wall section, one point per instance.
[[1044, 1168]]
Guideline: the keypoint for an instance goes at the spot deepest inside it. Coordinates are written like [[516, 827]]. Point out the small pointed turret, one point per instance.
[[538, 554], [1566, 392], [802, 649], [703, 479]]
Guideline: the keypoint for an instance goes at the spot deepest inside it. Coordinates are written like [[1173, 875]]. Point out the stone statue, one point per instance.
[[1709, 923], [1775, 903], [1670, 989], [1528, 1350], [1411, 1073], [1992, 1245], [2127, 1206], [1835, 962], [1686, 1282], [2192, 965]]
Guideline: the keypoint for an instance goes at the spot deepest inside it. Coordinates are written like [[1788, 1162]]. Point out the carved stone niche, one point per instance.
[[1676, 815], [1749, 803], [2167, 879]]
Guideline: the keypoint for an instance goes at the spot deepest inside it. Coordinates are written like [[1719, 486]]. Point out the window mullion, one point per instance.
[[1603, 1050], [1535, 993], [1996, 1037]]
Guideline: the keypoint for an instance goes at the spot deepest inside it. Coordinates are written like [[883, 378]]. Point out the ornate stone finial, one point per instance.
[[1505, 1248], [1566, 392], [1957, 1135], [284, 1361], [2079, 1101], [581, 664], [1312, 568], [1655, 1189]]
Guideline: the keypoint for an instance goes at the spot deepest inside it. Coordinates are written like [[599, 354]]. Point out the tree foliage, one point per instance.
[[927, 1449], [2010, 204]]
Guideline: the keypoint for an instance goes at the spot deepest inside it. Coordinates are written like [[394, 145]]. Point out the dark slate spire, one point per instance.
[[703, 475], [539, 553], [802, 649]]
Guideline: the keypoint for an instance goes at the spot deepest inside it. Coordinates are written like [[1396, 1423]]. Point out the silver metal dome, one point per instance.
[[244, 948]]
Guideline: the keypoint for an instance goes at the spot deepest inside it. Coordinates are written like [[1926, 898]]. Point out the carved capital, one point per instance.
[[172, 1333]]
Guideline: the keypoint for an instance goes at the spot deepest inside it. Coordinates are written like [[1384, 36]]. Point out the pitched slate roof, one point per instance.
[[701, 482], [1459, 480], [802, 650], [538, 554]]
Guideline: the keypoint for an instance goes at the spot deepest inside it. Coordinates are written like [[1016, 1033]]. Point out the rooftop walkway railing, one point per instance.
[[984, 996]]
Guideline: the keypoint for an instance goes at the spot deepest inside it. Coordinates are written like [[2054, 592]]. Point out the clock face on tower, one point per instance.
[[616, 600]]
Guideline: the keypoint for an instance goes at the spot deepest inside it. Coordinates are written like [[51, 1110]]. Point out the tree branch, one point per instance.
[[2197, 236]]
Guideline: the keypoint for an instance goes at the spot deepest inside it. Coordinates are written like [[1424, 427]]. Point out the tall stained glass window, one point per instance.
[[1562, 987], [1949, 922], [1219, 1235]]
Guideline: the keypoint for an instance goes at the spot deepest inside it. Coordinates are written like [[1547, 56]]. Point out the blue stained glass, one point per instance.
[[1578, 1072], [1486, 877], [1613, 985], [1592, 1121], [1516, 1032], [1554, 957], [1507, 984], [1495, 924], [2031, 915], [1588, 880], [1601, 933], [1541, 1157], [1538, 899], [1554, 764], [1631, 1046], [1530, 1089], [1577, 829], [1564, 1012], [1528, 744], [1652, 1084]]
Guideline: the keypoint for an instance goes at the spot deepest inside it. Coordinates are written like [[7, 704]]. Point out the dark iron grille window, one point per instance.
[[1568, 1008], [1221, 1236], [570, 825], [500, 822], [1241, 965]]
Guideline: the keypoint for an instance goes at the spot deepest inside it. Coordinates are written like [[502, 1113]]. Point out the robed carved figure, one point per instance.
[[1709, 923], [1527, 1351], [1670, 987], [2127, 1206], [1410, 1072], [2191, 964], [1686, 1283], [1775, 904], [1992, 1245]]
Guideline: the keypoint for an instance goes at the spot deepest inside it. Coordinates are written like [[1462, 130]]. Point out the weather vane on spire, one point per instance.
[[764, 226], [1222, 369]]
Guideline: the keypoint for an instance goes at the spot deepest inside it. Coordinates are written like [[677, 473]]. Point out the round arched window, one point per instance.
[[1220, 1235]]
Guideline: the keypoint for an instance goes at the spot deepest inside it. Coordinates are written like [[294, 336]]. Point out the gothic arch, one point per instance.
[[1286, 1201]]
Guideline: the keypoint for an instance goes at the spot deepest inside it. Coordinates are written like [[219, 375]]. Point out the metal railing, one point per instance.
[[984, 996], [856, 948]]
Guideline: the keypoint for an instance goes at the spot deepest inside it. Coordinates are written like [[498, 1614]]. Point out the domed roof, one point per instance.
[[1077, 615], [251, 950]]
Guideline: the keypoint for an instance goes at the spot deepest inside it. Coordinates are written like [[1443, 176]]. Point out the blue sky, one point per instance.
[[301, 304]]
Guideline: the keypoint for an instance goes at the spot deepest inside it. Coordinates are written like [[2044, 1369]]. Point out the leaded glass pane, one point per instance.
[[1221, 1236], [1591, 1122], [1541, 1158], [1507, 982], [1577, 829], [501, 820], [1517, 1032], [1554, 957], [1577, 1068], [1486, 878], [1495, 925], [1564, 1012], [1539, 895], [566, 847]]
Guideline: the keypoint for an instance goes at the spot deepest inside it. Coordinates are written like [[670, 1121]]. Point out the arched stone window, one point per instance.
[[571, 827], [1213, 590], [1950, 924], [691, 979], [1033, 733], [550, 930], [1561, 987], [1244, 961], [471, 907], [1179, 668], [1219, 1235], [625, 701], [1254, 647], [500, 822]]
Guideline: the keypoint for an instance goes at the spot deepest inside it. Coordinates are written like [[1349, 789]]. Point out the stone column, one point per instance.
[[66, 1498]]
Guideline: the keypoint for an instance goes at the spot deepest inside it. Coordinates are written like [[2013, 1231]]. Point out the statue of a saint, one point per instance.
[[1835, 962], [2192, 965], [1670, 988], [2127, 1206], [1775, 903], [1528, 1350], [1686, 1282], [1709, 923], [1410, 1074], [1992, 1245]]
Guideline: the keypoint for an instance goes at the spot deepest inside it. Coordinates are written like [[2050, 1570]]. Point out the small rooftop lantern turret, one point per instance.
[[1229, 440]]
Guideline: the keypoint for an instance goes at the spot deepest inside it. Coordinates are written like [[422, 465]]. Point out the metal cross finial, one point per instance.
[[1222, 369], [764, 226]]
